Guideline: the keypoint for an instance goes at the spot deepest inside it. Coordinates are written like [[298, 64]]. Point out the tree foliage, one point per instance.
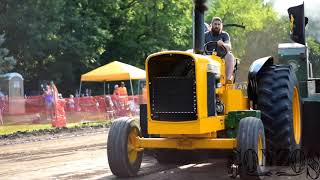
[[59, 40], [253, 14], [263, 29], [54, 39], [147, 26], [314, 55], [6, 62]]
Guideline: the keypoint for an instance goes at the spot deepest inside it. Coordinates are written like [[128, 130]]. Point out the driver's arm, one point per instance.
[[227, 45], [226, 41]]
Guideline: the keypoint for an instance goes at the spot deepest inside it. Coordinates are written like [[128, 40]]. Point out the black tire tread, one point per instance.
[[274, 100], [117, 149], [247, 138]]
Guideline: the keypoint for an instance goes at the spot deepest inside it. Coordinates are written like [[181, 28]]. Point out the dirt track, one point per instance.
[[84, 156]]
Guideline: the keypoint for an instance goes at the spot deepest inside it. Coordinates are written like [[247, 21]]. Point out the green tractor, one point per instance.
[[297, 56]]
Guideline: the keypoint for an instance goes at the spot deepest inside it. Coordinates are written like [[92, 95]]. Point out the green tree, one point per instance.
[[6, 62], [313, 42], [264, 29], [59, 40], [314, 55], [140, 28], [80, 40], [254, 14], [54, 40]]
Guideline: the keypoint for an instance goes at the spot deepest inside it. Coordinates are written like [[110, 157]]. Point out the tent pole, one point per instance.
[[79, 94], [104, 88], [80, 88], [108, 89], [131, 87], [131, 92], [139, 87]]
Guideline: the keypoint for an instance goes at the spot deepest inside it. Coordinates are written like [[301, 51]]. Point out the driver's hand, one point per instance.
[[220, 43]]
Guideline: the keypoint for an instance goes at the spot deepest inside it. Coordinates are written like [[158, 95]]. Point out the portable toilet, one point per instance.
[[11, 86]]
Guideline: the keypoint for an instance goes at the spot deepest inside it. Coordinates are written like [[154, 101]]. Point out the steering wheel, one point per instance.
[[221, 50]]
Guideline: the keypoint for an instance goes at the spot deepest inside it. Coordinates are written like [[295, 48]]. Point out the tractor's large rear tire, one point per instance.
[[279, 101], [124, 159]]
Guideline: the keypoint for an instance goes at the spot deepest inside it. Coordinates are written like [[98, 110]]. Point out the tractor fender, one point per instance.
[[254, 69]]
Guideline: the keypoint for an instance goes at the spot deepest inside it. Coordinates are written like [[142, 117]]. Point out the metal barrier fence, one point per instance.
[[32, 110]]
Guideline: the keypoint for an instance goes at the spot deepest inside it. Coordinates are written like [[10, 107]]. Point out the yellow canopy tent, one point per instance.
[[114, 71]]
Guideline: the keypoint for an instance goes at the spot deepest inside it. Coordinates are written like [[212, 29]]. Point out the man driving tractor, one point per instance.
[[223, 42]]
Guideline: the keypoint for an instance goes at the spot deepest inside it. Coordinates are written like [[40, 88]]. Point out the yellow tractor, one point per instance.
[[191, 108]]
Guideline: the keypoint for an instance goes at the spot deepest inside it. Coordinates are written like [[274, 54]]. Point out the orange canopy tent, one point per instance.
[[114, 71]]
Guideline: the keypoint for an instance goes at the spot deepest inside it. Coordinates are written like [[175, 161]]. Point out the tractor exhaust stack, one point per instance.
[[198, 25]]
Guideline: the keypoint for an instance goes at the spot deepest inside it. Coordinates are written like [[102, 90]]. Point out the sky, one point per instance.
[[312, 7]]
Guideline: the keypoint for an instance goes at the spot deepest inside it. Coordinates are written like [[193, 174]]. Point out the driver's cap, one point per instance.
[[216, 19]]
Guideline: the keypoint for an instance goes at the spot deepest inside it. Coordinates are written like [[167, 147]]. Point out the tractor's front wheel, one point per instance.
[[123, 155], [250, 146]]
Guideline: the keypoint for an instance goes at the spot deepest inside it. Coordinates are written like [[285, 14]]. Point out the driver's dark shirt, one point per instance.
[[224, 36]]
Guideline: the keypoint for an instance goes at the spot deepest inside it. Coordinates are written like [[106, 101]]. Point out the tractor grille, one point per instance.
[[172, 88]]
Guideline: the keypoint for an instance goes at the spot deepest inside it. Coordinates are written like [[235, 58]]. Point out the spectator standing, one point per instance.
[[144, 94], [59, 119], [123, 90], [116, 90], [87, 93], [55, 91], [49, 102], [123, 99], [115, 96], [2, 106], [71, 103], [110, 111], [90, 92]]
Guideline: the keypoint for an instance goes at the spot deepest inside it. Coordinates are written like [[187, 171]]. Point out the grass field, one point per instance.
[[9, 129]]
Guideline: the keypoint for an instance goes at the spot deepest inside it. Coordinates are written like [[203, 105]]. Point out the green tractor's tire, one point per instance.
[[279, 102], [174, 156], [124, 160], [250, 145]]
